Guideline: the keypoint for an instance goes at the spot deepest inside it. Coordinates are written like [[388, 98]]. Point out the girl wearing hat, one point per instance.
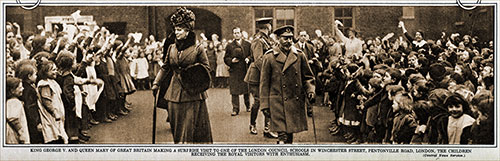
[[187, 111]]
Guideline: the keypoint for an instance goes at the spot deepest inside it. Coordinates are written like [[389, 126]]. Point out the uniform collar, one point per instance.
[[283, 58]]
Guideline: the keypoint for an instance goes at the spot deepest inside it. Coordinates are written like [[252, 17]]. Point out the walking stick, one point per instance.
[[314, 124], [154, 118]]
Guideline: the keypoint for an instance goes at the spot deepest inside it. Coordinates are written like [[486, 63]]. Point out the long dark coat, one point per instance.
[[31, 107], [237, 71], [189, 120], [284, 83]]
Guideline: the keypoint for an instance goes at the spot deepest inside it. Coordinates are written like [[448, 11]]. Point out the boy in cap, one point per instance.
[[286, 79]]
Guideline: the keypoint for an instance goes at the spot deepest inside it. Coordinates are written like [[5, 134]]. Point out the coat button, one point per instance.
[[284, 86], [296, 85], [297, 98], [286, 99]]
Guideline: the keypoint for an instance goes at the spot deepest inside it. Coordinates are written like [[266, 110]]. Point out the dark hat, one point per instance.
[[195, 78], [286, 31], [183, 17], [437, 97], [437, 71], [352, 67], [264, 20]]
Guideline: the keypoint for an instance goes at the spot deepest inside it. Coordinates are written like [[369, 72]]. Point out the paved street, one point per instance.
[[136, 128]]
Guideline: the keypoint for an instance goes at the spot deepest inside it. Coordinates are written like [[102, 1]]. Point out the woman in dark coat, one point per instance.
[[187, 111]]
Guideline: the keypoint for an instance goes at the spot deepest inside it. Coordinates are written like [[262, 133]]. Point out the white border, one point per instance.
[[481, 152]]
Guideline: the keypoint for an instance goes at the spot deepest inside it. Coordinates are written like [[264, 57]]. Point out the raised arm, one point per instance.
[[339, 35], [405, 32]]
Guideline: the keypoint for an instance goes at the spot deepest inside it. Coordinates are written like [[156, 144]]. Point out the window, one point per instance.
[[284, 17], [344, 15], [281, 16], [116, 27], [408, 13]]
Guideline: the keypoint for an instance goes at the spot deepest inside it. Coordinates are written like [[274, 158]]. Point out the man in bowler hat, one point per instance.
[[236, 57]]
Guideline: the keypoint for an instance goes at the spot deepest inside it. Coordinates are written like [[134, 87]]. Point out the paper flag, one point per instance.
[[388, 36], [76, 15], [137, 37], [318, 33]]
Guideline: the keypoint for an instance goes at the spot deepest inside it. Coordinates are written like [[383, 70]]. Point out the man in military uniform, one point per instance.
[[286, 80], [260, 44]]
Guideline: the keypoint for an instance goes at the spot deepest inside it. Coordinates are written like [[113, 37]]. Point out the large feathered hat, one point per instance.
[[183, 17]]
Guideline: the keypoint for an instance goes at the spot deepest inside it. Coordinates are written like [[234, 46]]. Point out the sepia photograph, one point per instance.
[[250, 80]]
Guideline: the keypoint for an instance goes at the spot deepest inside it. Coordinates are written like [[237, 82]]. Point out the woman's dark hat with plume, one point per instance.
[[183, 18]]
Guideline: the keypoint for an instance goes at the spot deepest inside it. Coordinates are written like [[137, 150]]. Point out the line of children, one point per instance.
[[411, 90], [56, 103]]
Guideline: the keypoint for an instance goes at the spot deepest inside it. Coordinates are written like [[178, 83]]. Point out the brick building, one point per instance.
[[371, 21]]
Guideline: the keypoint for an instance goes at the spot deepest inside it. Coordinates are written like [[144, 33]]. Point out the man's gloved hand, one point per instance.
[[311, 97]]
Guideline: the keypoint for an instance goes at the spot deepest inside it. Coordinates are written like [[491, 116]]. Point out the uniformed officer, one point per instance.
[[260, 44], [286, 80]]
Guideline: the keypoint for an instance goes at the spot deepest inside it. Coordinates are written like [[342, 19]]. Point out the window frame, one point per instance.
[[274, 16], [408, 16], [344, 29]]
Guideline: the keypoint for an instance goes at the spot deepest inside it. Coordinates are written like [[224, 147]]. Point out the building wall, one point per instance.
[[371, 21], [313, 18], [230, 17]]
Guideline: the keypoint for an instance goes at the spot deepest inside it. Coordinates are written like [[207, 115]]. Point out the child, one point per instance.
[[379, 116], [483, 129], [76, 110], [459, 122], [27, 73], [222, 69], [52, 111], [404, 123], [421, 111], [140, 69], [17, 127], [350, 115]]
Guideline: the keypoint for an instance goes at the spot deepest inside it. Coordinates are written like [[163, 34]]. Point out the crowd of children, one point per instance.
[[409, 90], [61, 83], [398, 90]]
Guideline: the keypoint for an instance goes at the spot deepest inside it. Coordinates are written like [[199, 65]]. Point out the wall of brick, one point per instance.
[[313, 18], [230, 17], [371, 21]]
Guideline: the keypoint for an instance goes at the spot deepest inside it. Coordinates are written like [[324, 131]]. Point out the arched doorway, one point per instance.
[[206, 22]]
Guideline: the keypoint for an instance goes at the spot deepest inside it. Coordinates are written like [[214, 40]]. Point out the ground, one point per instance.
[[136, 128]]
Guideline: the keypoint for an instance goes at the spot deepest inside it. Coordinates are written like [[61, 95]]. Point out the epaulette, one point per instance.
[[268, 51], [296, 50]]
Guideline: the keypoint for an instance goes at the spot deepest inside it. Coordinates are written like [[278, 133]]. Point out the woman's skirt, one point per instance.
[[189, 122], [222, 70], [127, 86]]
